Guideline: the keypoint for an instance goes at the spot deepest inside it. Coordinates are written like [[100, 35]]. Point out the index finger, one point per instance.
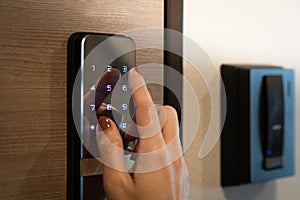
[[147, 119], [140, 93]]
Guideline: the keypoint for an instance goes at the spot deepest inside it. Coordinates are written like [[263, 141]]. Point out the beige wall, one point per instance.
[[248, 31]]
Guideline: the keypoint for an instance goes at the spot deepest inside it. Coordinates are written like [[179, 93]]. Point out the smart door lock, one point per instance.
[[257, 140], [98, 66]]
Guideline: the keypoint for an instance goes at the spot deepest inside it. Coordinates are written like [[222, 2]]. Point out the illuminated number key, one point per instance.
[[93, 88], [92, 127], [108, 107], [125, 69], [124, 88], [109, 68], [124, 125], [93, 107], [124, 106], [108, 88]]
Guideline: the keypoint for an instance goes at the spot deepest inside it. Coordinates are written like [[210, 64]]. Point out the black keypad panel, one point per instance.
[[98, 66], [112, 97], [105, 77]]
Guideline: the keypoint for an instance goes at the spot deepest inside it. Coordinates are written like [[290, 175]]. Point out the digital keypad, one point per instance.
[[117, 104]]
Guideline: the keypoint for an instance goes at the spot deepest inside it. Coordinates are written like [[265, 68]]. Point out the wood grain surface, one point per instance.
[[33, 49]]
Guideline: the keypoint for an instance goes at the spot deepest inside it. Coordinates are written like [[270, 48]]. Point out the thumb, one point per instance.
[[110, 146]]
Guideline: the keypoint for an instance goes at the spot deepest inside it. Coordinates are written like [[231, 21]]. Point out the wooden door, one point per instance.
[[33, 49]]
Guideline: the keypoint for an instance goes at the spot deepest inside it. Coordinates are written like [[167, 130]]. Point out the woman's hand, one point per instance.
[[159, 171]]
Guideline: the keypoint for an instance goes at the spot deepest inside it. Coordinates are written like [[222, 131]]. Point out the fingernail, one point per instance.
[[104, 123], [137, 70]]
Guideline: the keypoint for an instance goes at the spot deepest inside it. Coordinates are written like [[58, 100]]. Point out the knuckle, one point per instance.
[[170, 111]]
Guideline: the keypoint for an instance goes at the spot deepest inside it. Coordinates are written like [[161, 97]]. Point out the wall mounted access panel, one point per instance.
[[257, 141]]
